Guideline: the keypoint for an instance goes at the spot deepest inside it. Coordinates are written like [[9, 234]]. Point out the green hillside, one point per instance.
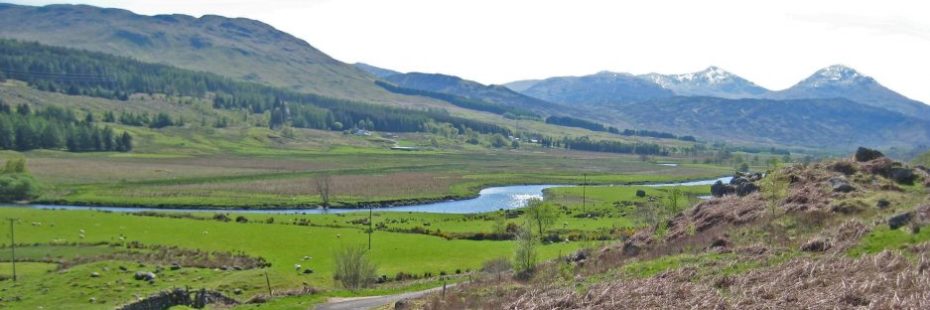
[[238, 48]]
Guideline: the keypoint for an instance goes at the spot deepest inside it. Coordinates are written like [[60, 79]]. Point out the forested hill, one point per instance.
[[239, 48], [95, 74]]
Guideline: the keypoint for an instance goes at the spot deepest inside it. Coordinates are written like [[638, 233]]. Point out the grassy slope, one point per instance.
[[766, 248]]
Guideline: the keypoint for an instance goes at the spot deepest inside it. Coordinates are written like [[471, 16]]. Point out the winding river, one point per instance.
[[488, 200]]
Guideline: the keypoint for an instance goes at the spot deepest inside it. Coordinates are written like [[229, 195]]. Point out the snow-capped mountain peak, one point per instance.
[[712, 81], [835, 74]]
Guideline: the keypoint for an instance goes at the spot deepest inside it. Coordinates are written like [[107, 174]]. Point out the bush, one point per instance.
[[354, 269], [17, 186]]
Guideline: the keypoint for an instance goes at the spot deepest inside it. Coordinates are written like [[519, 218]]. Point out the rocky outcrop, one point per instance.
[[741, 184], [180, 297], [719, 189], [866, 154], [900, 220], [840, 184]]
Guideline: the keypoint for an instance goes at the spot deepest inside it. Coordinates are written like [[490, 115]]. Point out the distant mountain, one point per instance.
[[713, 81], [604, 88], [453, 85], [843, 82], [234, 47], [376, 71], [520, 86], [819, 123]]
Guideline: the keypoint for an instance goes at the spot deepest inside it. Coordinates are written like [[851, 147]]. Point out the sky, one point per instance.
[[772, 43]]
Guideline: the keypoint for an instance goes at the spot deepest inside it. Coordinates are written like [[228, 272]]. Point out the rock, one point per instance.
[[630, 249], [746, 188], [640, 193], [902, 175], [144, 275], [719, 189], [844, 167], [175, 266], [237, 291], [900, 220], [883, 203], [92, 300], [720, 242], [402, 304], [123, 268], [308, 271], [848, 207], [738, 180], [94, 274], [841, 185], [865, 154], [816, 245], [578, 256]]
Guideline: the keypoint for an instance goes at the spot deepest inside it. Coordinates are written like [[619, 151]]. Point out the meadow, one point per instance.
[[79, 258]]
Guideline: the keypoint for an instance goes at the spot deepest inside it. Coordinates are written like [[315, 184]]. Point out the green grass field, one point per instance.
[[54, 236]]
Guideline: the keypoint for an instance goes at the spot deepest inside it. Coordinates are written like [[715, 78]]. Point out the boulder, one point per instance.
[[746, 188], [866, 154], [902, 175], [900, 220], [883, 203], [841, 185], [402, 304], [144, 276], [579, 256], [739, 180], [640, 193], [816, 245], [719, 189], [630, 249], [844, 167]]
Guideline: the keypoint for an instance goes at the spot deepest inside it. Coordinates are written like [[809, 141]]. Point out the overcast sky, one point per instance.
[[775, 43]]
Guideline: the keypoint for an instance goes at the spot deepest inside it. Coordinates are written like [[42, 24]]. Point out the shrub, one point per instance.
[[16, 187], [354, 269]]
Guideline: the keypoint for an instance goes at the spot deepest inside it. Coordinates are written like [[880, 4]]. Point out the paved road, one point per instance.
[[376, 301]]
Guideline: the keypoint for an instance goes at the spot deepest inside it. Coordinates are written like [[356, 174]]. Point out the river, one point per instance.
[[488, 200]]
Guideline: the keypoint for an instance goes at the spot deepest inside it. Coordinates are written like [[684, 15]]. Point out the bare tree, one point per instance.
[[354, 268], [323, 186], [524, 260]]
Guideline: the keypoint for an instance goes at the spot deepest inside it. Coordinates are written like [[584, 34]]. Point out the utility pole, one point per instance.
[[584, 194], [369, 226], [268, 283], [13, 249]]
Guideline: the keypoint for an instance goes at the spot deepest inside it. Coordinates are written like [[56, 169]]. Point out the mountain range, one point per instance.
[[835, 81], [456, 86], [836, 107]]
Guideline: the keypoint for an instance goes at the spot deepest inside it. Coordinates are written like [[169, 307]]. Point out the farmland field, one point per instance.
[[103, 250]]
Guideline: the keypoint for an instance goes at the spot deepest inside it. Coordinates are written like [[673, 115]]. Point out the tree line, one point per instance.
[[587, 144], [78, 72], [460, 101], [593, 126], [55, 128]]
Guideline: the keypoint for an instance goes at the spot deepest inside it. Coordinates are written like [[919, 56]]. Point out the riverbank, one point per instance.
[[486, 200]]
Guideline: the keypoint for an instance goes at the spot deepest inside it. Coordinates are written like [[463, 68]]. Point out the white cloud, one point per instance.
[[774, 43]]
